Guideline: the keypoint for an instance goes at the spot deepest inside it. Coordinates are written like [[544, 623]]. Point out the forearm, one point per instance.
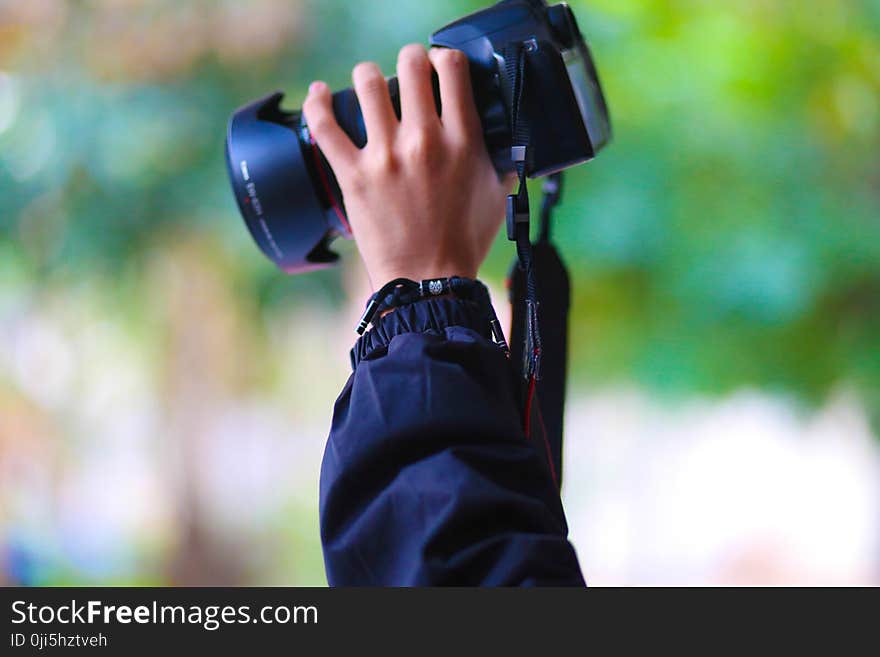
[[428, 477]]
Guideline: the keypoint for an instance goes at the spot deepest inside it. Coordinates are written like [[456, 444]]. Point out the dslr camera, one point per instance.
[[532, 73]]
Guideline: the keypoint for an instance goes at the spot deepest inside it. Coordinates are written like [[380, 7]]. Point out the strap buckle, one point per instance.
[[518, 204], [517, 213]]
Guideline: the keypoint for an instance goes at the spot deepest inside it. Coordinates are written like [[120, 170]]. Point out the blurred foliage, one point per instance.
[[730, 236]]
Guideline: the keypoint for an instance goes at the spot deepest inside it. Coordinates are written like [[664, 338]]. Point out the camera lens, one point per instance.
[[273, 173]]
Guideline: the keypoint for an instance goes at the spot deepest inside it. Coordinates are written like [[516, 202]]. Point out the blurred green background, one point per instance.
[[729, 238]]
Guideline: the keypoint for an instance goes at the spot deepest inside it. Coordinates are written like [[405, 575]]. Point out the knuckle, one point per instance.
[[460, 145], [420, 146], [450, 58], [367, 74], [412, 54], [382, 160], [457, 57], [353, 186], [372, 86], [356, 182], [320, 124]]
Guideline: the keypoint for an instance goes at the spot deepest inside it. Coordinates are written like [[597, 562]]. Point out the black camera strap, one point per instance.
[[518, 213], [544, 373], [554, 290]]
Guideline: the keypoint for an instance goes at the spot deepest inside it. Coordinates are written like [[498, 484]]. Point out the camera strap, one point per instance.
[[554, 290], [518, 214], [544, 373]]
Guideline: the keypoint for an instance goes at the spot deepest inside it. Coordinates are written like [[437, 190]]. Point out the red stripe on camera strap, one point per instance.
[[534, 406]]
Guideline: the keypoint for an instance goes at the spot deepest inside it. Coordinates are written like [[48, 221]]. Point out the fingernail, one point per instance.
[[316, 86]]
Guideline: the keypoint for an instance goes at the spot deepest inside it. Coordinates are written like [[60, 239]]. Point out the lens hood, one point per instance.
[[271, 177]]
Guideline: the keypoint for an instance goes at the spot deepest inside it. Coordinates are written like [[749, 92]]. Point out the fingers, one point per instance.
[[459, 110], [339, 150], [417, 106], [372, 93]]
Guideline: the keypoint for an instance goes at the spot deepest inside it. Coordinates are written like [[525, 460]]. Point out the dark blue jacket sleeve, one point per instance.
[[428, 478]]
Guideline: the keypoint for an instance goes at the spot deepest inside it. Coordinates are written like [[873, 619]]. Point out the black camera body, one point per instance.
[[288, 194]]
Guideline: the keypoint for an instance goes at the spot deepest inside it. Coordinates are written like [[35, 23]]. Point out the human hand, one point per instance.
[[422, 196]]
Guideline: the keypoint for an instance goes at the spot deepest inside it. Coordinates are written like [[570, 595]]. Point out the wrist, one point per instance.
[[433, 315], [419, 272], [401, 292]]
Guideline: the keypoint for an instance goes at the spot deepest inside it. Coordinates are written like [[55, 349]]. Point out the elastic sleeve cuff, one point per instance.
[[432, 315]]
